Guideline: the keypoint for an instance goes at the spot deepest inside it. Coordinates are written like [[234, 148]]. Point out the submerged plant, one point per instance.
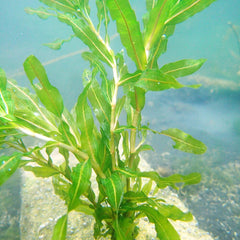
[[92, 131]]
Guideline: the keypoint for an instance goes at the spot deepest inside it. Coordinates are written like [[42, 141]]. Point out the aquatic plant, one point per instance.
[[92, 131]]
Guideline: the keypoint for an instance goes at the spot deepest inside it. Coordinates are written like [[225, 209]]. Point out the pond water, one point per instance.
[[211, 113]]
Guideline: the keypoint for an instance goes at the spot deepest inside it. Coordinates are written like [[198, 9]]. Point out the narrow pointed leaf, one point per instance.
[[164, 229], [174, 213], [182, 10], [42, 171], [160, 46], [33, 122], [85, 123], [6, 104], [137, 98], [48, 94], [114, 190], [42, 12], [168, 211], [57, 44], [61, 187], [91, 38], [120, 233], [101, 106], [119, 107], [155, 80], [103, 16], [183, 67], [8, 165], [130, 78], [150, 4], [3, 80], [66, 134], [65, 6], [80, 182], [24, 99], [129, 30], [163, 182], [82, 5], [94, 61], [154, 24], [184, 141], [60, 229]]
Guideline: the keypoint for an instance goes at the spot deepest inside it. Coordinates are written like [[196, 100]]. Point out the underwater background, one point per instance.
[[210, 113]]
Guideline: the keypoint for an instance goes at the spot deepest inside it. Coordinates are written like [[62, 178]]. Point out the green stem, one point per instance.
[[132, 145], [133, 138], [113, 117]]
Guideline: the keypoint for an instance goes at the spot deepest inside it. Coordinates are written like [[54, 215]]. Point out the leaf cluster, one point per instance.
[[92, 131]]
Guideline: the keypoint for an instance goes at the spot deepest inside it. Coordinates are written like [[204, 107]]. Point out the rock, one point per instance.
[[41, 208]]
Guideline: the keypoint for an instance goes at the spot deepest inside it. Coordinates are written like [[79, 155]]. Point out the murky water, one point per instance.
[[211, 113]]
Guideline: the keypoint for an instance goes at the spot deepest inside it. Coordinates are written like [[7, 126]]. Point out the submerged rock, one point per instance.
[[41, 208]]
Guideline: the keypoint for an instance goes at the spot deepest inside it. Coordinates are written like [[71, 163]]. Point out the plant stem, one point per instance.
[[133, 137], [113, 120]]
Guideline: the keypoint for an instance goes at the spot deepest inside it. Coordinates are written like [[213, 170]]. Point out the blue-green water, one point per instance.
[[211, 113]]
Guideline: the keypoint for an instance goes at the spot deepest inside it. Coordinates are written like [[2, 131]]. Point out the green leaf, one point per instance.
[[144, 147], [3, 80], [121, 64], [42, 171], [155, 80], [104, 156], [114, 190], [137, 98], [84, 207], [65, 6], [61, 187], [57, 44], [94, 61], [182, 10], [150, 4], [6, 105], [32, 124], [107, 85], [49, 95], [147, 187], [85, 123], [184, 141], [69, 119], [60, 229], [80, 182], [82, 5], [8, 165], [103, 16], [129, 30], [66, 134], [23, 100], [164, 229], [168, 211], [91, 38], [119, 232], [154, 24], [101, 106], [183, 67], [163, 182], [174, 213], [137, 197], [130, 78], [119, 107], [41, 12], [160, 46]]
